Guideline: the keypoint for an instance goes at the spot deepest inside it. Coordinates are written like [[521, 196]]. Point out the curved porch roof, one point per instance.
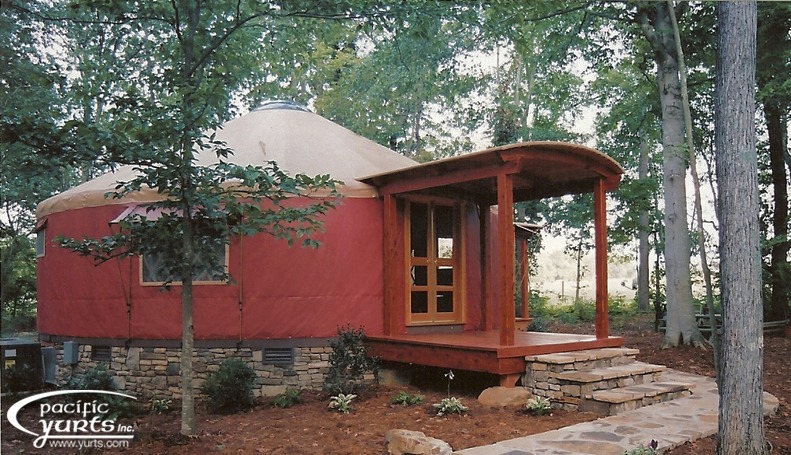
[[539, 169]]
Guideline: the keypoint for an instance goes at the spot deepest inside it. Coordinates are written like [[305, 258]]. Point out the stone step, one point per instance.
[[596, 357], [615, 401], [580, 384], [613, 372]]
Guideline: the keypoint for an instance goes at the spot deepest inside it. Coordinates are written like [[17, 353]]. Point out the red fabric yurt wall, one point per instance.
[[283, 292]]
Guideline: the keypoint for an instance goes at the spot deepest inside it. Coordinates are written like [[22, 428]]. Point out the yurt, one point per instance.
[[296, 296], [422, 256]]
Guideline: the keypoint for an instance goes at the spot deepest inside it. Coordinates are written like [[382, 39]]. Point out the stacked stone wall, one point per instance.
[[541, 375], [154, 372]]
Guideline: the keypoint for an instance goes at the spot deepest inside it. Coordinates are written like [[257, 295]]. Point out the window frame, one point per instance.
[[41, 242], [226, 262]]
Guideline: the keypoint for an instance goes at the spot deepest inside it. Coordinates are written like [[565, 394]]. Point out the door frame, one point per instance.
[[458, 262]]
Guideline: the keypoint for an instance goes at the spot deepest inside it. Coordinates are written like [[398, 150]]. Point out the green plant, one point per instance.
[[230, 389], [288, 399], [450, 377], [585, 310], [650, 449], [349, 361], [342, 402], [95, 378], [405, 399], [538, 405], [159, 405], [98, 378], [539, 305], [450, 405], [568, 318], [19, 378], [538, 324]]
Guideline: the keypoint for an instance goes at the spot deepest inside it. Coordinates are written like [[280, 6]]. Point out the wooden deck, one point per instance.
[[481, 350]]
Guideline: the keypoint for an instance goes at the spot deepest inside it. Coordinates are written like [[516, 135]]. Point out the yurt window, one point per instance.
[[41, 241], [41, 237], [153, 270]]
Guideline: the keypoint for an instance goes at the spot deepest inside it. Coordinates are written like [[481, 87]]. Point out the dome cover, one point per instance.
[[282, 131]]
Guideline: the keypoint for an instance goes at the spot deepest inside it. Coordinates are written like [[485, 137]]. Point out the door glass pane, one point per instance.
[[419, 275], [445, 276], [419, 301], [445, 302], [418, 228], [443, 219]]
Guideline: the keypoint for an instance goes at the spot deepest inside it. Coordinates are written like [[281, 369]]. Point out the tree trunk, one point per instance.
[[681, 324], [579, 270], [190, 78], [741, 381], [693, 169], [658, 313], [643, 233], [776, 126], [188, 425]]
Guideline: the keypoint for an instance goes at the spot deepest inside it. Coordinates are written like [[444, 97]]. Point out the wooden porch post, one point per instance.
[[505, 257], [389, 255], [524, 280], [487, 318], [600, 229]]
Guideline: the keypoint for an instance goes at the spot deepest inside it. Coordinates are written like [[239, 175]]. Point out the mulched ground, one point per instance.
[[310, 428], [777, 381]]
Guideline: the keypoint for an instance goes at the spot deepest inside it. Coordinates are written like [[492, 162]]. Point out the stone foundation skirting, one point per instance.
[[154, 372]]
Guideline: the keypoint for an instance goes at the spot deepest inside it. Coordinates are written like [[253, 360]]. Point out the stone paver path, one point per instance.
[[671, 423]]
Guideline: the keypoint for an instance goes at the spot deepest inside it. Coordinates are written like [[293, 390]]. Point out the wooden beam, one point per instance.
[[600, 234], [448, 178], [509, 380], [446, 357], [505, 257], [390, 255]]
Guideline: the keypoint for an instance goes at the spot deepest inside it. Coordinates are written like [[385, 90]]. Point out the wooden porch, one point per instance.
[[419, 293], [481, 350]]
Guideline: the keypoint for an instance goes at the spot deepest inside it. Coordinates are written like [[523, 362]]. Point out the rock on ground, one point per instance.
[[403, 442], [504, 397]]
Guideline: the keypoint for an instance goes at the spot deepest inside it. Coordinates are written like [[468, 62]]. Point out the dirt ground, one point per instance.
[[310, 428]]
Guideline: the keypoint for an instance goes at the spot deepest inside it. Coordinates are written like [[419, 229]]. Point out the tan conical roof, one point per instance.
[[297, 139]]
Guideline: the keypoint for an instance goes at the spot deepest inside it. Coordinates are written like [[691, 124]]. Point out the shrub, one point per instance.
[[405, 399], [98, 378], [288, 399], [19, 378], [230, 389], [538, 324], [342, 402], [585, 310], [349, 361], [95, 378], [539, 305], [568, 318]]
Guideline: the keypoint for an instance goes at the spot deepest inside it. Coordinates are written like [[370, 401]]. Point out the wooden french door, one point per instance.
[[434, 263]]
